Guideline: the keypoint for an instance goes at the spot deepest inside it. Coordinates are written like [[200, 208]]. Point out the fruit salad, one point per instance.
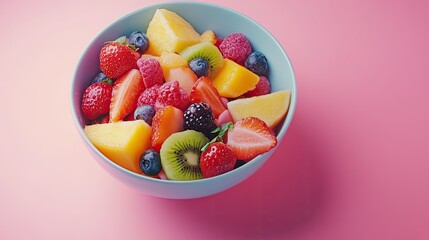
[[175, 104]]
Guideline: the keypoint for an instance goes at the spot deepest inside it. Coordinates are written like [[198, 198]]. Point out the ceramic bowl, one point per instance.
[[202, 16]]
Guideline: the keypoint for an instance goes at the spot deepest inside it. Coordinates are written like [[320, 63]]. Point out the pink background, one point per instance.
[[353, 165]]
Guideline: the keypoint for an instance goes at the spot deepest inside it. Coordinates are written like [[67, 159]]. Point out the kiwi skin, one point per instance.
[[207, 51], [180, 155]]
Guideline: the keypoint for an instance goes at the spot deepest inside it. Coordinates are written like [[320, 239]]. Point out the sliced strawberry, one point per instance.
[[125, 92], [217, 159], [250, 137], [167, 120], [204, 91]]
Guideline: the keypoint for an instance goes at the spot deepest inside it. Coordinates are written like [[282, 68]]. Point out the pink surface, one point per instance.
[[353, 165]]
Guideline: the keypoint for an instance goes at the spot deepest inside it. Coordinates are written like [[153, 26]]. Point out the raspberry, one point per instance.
[[262, 87], [236, 47], [149, 96], [96, 100], [199, 117], [151, 71], [171, 94]]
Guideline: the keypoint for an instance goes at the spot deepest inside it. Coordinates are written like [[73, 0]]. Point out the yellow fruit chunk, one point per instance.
[[169, 32], [171, 60], [209, 36], [121, 142], [233, 80], [270, 108]]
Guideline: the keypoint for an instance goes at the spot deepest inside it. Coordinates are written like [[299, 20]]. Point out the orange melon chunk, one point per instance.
[[121, 142], [234, 80]]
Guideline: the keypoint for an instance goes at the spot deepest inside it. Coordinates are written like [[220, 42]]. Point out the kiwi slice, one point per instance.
[[180, 155], [207, 51]]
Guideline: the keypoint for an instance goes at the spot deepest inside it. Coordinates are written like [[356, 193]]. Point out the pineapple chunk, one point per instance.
[[169, 32], [270, 108], [234, 80], [121, 142]]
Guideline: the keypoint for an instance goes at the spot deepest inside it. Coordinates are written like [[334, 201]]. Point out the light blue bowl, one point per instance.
[[202, 16]]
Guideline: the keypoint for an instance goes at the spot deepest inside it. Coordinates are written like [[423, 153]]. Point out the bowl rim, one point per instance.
[[287, 121]]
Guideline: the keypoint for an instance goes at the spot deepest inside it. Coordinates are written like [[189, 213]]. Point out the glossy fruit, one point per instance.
[[144, 112], [236, 47], [151, 72], [217, 159], [233, 80], [149, 96], [184, 75], [207, 51], [199, 66], [101, 77], [223, 118], [169, 32], [180, 155], [204, 91], [209, 36], [150, 162], [257, 63], [96, 100], [171, 60], [116, 59], [270, 108], [199, 117], [122, 142], [167, 120], [250, 137], [125, 92], [170, 93], [263, 87], [139, 40]]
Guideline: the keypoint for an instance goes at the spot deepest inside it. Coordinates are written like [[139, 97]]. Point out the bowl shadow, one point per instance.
[[285, 196]]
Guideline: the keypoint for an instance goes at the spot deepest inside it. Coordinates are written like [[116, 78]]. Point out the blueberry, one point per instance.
[[150, 162], [139, 40], [144, 112], [101, 77], [200, 66], [257, 63]]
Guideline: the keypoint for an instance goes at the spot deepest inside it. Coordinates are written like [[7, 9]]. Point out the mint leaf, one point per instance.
[[222, 130]]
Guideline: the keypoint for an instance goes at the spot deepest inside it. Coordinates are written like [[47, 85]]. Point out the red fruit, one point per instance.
[[125, 92], [170, 93], [236, 47], [250, 137], [149, 96], [218, 41], [151, 71], [116, 59], [204, 91], [167, 120], [184, 75], [96, 100], [217, 159], [262, 87], [224, 117]]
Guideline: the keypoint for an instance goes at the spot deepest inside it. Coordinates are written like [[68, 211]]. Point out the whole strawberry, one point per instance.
[[217, 159], [117, 58], [96, 100]]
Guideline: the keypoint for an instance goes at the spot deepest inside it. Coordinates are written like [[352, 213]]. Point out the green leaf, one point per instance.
[[222, 130], [121, 40]]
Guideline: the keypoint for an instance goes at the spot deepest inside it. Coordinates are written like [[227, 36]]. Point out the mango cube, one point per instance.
[[121, 142], [233, 80]]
